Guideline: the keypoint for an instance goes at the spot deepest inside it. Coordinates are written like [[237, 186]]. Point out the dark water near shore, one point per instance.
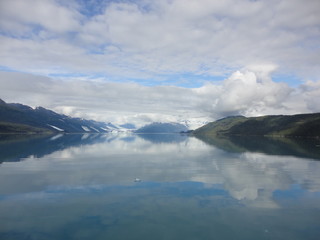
[[158, 187]]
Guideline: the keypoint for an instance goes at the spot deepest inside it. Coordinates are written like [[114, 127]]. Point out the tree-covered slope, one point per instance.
[[307, 125], [7, 127], [220, 126]]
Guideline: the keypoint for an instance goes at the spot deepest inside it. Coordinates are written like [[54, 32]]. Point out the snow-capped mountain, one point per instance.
[[193, 124], [15, 117], [19, 117]]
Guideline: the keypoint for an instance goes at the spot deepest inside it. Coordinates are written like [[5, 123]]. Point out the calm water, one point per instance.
[[158, 187]]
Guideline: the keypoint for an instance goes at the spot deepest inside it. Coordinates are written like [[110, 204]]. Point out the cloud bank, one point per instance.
[[243, 93]]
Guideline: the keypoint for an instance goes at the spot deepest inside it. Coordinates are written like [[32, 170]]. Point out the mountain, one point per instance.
[[19, 118], [305, 125], [128, 126], [193, 124], [158, 127]]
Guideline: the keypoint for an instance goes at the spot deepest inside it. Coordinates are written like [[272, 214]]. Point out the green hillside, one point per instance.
[[7, 127], [305, 125]]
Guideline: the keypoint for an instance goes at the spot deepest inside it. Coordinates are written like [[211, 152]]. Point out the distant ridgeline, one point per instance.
[[159, 127], [304, 125], [18, 118]]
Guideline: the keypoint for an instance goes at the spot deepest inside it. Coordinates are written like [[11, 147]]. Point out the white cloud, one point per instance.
[[27, 15], [146, 39], [247, 93], [310, 94], [244, 92]]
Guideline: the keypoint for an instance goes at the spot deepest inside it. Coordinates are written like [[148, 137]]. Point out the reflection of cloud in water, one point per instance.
[[250, 178], [128, 139], [187, 187]]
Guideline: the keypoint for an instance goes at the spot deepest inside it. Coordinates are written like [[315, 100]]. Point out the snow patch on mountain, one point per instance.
[[86, 129], [56, 128], [193, 124], [95, 129]]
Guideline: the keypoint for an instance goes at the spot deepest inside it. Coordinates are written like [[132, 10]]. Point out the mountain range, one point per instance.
[[19, 118], [303, 125]]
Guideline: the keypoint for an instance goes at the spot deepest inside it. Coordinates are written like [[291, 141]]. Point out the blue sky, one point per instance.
[[265, 52]]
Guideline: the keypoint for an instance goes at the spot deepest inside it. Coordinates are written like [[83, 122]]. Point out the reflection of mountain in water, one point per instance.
[[299, 147], [15, 147], [163, 137]]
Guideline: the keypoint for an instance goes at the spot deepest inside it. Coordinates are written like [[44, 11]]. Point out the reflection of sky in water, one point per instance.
[[189, 190]]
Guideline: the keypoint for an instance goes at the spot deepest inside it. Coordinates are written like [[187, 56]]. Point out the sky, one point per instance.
[[140, 61]]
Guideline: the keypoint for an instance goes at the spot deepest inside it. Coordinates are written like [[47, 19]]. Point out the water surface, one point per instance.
[[155, 187]]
